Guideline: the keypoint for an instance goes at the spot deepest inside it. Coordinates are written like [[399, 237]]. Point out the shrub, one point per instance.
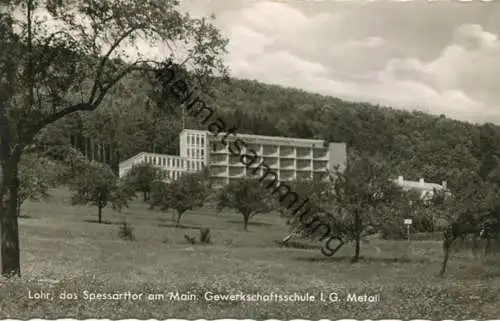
[[126, 232], [205, 237], [190, 239]]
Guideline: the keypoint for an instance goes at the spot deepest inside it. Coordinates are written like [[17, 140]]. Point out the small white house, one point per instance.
[[426, 189]]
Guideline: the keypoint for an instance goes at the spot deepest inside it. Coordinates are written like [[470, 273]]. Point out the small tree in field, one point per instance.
[[141, 177], [247, 196], [186, 193], [365, 193], [98, 185], [358, 202], [473, 204]]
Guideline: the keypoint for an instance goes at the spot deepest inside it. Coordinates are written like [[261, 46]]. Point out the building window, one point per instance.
[[201, 152], [188, 152], [202, 140], [214, 147]]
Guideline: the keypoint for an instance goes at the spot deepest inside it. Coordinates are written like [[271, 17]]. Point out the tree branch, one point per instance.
[[105, 59], [69, 110], [47, 48]]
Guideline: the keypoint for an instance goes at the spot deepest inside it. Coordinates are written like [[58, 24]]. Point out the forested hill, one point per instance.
[[415, 144]]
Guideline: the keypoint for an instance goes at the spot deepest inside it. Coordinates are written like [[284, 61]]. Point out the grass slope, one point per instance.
[[58, 242]]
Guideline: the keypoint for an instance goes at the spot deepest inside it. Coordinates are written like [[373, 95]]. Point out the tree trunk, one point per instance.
[[357, 239], [246, 217], [447, 242], [18, 207], [178, 220], [99, 213], [357, 248], [10, 252], [92, 151], [287, 238], [144, 196], [487, 246], [475, 246]]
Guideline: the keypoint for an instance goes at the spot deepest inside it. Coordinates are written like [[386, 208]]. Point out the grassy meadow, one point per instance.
[[61, 243]]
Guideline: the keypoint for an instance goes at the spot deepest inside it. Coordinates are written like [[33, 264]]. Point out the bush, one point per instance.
[[190, 239], [126, 232], [393, 232], [205, 237]]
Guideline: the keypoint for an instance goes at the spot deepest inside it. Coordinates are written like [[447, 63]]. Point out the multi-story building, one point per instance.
[[289, 158]]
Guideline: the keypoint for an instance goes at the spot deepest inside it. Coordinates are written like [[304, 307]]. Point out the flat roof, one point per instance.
[[271, 138], [419, 185], [164, 155]]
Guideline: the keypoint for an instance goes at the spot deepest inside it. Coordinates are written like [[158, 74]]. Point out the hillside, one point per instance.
[[415, 144]]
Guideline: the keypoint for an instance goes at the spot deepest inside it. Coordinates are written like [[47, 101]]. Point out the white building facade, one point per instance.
[[289, 158], [174, 166], [425, 189]]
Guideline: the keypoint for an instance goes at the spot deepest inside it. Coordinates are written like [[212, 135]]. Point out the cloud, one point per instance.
[[276, 43], [465, 76]]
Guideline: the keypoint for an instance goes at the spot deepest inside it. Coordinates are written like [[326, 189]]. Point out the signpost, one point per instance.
[[408, 222]]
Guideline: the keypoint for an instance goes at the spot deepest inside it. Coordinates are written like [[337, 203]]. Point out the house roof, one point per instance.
[[416, 185]]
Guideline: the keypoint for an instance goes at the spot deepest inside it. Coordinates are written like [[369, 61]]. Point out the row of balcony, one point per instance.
[[224, 160], [257, 172], [275, 151]]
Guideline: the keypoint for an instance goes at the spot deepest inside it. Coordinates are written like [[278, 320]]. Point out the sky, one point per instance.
[[435, 56]]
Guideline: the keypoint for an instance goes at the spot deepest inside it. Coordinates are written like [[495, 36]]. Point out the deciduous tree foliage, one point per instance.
[[70, 62], [313, 192], [362, 197], [365, 191], [36, 176], [185, 193], [473, 207], [246, 196], [98, 186], [141, 177]]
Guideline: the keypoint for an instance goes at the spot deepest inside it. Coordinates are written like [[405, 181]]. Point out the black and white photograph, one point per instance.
[[250, 159]]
